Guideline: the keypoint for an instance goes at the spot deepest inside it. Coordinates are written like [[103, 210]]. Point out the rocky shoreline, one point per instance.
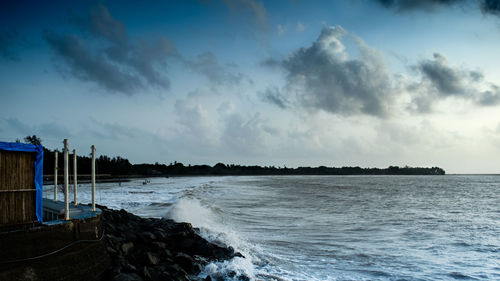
[[158, 249]]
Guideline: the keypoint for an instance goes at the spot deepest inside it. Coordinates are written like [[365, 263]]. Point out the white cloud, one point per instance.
[[323, 77]]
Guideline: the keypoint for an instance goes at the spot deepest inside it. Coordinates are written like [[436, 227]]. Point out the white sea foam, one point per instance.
[[213, 229], [330, 228]]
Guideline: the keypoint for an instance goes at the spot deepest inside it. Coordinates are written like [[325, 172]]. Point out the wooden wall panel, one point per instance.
[[17, 187]]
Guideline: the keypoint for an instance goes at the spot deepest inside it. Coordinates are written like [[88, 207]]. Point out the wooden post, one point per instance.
[[66, 181], [93, 178], [55, 176], [75, 189]]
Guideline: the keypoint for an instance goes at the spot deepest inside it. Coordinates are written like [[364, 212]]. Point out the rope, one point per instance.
[[53, 252]]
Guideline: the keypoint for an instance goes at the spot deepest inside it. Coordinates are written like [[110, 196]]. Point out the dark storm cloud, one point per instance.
[[446, 80], [85, 65], [486, 6], [122, 64], [440, 80], [491, 7], [323, 77], [114, 61], [490, 97], [207, 65], [101, 23]]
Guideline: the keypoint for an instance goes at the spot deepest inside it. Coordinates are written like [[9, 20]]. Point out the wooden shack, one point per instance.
[[20, 184]]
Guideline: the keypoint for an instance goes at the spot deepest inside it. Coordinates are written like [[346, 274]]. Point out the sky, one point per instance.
[[368, 83]]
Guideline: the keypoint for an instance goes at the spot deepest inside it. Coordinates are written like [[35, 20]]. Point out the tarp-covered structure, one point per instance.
[[38, 149]]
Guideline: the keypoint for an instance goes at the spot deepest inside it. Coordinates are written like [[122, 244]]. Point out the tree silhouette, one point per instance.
[[33, 140]]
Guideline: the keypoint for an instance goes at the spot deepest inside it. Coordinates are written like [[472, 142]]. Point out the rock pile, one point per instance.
[[156, 249]]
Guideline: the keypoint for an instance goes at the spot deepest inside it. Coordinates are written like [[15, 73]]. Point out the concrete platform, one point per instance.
[[53, 212]]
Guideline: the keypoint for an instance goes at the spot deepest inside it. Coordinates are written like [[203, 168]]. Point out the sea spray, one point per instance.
[[191, 210], [213, 228]]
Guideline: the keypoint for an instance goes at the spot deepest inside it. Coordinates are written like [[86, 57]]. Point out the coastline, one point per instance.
[[157, 249], [106, 178], [100, 178]]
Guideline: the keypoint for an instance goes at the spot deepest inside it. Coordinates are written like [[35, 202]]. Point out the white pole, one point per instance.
[[93, 178], [66, 182], [55, 176], [75, 177]]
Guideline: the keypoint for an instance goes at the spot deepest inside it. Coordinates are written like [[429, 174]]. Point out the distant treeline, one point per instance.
[[121, 166], [104, 164], [222, 169]]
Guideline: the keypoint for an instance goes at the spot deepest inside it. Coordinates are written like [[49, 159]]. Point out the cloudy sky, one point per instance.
[[368, 83]]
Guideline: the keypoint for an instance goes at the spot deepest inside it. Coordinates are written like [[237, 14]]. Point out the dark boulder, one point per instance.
[[157, 249], [187, 263]]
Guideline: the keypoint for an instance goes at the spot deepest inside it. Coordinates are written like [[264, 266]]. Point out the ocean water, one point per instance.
[[332, 227]]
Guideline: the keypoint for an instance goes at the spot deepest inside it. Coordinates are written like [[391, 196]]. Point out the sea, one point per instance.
[[330, 227]]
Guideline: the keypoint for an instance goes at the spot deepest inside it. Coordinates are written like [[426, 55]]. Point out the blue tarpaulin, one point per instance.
[[14, 146]]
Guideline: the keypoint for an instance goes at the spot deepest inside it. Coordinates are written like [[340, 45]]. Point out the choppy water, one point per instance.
[[333, 227]]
